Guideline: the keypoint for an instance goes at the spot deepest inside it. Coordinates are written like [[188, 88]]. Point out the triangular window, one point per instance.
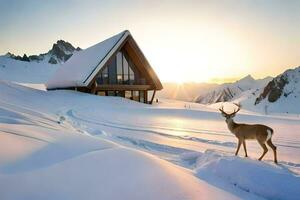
[[119, 70]]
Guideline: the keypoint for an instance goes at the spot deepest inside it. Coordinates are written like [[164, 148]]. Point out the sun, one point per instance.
[[179, 80]]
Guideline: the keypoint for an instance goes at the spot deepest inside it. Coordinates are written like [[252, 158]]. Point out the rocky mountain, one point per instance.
[[60, 52], [284, 86], [230, 91]]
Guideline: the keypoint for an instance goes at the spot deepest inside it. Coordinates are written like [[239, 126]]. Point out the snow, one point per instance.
[[73, 166], [262, 179], [44, 157], [285, 105], [289, 102], [78, 68], [231, 91], [247, 90], [71, 145], [26, 72]]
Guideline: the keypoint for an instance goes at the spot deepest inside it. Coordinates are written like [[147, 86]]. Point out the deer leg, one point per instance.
[[238, 147], [273, 147], [263, 145], [244, 144]]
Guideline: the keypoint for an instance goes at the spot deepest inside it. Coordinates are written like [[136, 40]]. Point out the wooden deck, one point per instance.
[[122, 87]]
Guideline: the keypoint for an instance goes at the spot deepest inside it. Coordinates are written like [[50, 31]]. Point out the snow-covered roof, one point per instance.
[[84, 65]]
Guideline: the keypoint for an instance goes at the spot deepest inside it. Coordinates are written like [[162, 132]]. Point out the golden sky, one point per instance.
[[185, 41]]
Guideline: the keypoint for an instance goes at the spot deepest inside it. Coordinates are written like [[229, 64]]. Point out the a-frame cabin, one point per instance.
[[113, 67]]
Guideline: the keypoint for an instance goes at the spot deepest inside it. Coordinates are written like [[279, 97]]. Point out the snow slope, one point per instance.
[[44, 157], [248, 175], [282, 94], [70, 145], [36, 69], [25, 72], [229, 91], [278, 95]]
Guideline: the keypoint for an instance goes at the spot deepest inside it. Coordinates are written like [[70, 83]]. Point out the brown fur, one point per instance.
[[245, 132]]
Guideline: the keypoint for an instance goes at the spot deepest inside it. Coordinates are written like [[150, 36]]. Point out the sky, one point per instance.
[[184, 41]]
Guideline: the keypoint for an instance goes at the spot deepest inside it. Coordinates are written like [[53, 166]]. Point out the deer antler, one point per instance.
[[238, 108], [222, 110], [234, 112]]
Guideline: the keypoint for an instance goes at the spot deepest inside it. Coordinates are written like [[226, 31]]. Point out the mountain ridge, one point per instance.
[[283, 85], [60, 52], [228, 91]]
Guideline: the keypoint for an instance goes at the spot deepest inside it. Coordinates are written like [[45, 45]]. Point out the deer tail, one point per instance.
[[270, 133]]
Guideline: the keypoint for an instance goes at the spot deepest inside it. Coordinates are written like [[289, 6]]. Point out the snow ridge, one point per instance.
[[228, 91]]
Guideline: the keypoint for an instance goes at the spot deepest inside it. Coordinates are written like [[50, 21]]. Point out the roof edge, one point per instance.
[[86, 82], [150, 70]]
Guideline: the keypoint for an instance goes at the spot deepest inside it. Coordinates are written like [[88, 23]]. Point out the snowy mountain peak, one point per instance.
[[8, 54], [60, 52], [64, 46], [284, 86], [247, 78], [230, 91]]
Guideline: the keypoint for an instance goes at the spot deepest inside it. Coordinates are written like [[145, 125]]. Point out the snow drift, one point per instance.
[[265, 180]]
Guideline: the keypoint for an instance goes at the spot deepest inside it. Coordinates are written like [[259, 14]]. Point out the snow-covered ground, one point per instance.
[[25, 72], [70, 145]]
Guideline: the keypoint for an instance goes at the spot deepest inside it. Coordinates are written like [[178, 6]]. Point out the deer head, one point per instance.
[[231, 115]]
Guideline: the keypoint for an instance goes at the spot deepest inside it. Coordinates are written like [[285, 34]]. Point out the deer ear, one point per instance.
[[233, 115]]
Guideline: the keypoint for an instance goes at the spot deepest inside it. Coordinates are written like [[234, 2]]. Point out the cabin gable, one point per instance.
[[122, 70]]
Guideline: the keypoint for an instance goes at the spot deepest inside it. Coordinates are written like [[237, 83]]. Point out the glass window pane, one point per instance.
[[105, 71], [128, 94], [104, 78], [135, 95], [131, 76], [112, 71], [130, 71], [132, 81], [125, 65], [119, 78], [142, 97], [120, 93], [119, 63], [126, 79], [111, 93], [101, 93], [99, 79]]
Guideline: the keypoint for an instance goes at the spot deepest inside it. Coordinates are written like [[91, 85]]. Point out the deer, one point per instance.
[[262, 133]]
